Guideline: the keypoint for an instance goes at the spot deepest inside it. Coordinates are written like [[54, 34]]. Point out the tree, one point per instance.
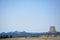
[[10, 36], [6, 36]]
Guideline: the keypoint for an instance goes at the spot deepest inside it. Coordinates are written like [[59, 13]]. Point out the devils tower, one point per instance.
[[52, 29]]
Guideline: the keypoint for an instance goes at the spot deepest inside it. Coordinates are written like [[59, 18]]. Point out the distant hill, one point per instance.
[[26, 34]]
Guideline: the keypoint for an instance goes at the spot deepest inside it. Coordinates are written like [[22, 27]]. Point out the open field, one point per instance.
[[35, 38]]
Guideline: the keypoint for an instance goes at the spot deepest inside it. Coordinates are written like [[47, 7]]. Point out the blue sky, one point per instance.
[[29, 15]]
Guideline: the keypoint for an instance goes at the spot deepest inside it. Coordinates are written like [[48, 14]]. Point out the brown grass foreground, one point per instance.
[[31, 38]]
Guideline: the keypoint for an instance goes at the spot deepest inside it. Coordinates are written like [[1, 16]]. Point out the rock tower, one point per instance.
[[52, 29]]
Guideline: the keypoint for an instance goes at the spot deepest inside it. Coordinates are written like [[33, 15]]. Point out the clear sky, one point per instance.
[[29, 15]]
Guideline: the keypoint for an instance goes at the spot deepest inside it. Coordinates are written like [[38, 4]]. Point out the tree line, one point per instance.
[[5, 36]]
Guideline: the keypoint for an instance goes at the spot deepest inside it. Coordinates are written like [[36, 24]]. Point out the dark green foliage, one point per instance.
[[4, 36], [10, 36]]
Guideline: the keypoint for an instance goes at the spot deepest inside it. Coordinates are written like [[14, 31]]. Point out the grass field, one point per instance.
[[32, 38]]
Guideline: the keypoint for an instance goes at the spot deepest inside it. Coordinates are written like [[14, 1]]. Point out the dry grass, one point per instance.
[[31, 38]]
